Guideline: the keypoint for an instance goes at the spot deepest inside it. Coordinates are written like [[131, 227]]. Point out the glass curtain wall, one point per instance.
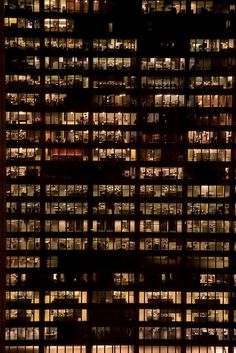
[[120, 176]]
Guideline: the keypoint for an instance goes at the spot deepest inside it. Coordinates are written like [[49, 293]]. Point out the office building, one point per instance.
[[120, 176]]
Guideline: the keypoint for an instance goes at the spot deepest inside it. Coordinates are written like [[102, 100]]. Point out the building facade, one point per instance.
[[120, 176]]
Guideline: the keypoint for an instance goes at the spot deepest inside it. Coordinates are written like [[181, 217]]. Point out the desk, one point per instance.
[[201, 319], [160, 301], [205, 336], [119, 300], [208, 301], [20, 301], [65, 301], [19, 319], [166, 318], [160, 318], [64, 318]]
